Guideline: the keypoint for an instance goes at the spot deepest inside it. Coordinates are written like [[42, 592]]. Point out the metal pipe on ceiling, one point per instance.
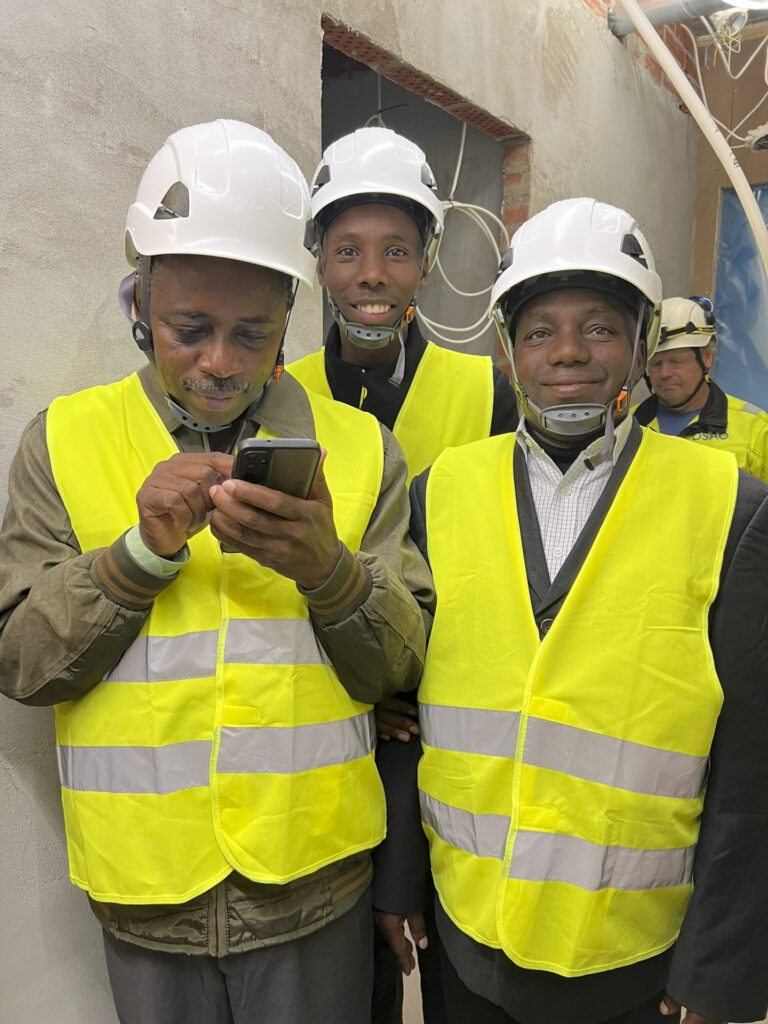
[[662, 12]]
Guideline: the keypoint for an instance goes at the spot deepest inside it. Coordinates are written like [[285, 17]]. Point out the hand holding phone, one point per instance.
[[287, 524]]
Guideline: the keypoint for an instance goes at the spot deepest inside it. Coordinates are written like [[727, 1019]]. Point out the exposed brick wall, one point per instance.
[[388, 66], [674, 36], [517, 175], [516, 165]]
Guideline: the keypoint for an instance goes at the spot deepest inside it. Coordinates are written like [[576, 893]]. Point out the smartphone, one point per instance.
[[286, 464]]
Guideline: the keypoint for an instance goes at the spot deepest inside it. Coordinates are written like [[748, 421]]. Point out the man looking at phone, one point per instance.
[[202, 637], [593, 706]]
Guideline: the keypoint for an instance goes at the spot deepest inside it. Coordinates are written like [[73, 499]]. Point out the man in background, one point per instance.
[[686, 401]]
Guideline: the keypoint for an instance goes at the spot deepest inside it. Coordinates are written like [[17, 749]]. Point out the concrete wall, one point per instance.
[[88, 92]]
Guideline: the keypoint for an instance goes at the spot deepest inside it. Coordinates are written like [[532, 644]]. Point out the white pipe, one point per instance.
[[706, 122], [662, 12]]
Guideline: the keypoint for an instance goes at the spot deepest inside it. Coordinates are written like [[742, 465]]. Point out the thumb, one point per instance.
[[319, 489], [668, 1005], [418, 930]]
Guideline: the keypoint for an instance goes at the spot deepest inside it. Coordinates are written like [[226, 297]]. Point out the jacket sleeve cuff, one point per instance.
[[126, 582], [343, 592]]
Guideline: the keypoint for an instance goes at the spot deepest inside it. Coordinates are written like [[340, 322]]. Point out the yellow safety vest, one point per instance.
[[222, 739], [746, 436], [562, 779], [449, 402]]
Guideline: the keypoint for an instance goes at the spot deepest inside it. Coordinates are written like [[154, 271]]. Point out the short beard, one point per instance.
[[215, 385]]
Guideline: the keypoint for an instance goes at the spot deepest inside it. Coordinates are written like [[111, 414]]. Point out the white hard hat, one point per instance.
[[686, 323], [579, 243], [378, 165], [223, 189]]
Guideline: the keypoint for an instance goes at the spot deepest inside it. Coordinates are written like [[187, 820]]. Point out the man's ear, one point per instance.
[[707, 357], [424, 276], [319, 271]]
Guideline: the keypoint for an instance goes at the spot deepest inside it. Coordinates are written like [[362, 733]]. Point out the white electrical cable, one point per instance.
[[476, 214], [730, 132], [434, 329], [458, 291], [706, 123], [377, 115], [727, 56], [459, 161]]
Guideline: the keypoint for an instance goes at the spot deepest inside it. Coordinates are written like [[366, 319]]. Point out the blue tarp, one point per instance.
[[741, 303]]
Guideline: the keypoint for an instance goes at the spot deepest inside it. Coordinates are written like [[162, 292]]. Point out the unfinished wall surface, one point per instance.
[[88, 92]]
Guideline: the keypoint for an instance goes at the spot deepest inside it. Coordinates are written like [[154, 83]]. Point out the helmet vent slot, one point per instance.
[[175, 203], [322, 177], [630, 246]]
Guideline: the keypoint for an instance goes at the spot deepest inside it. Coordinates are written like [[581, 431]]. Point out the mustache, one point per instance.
[[215, 385]]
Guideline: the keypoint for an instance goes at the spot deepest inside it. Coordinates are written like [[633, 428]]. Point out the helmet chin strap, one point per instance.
[[369, 339], [184, 417], [366, 337], [579, 419]]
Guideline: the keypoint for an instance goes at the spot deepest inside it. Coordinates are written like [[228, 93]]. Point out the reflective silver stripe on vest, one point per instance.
[[543, 857], [564, 748], [613, 762], [485, 835], [158, 770], [159, 659], [273, 642], [469, 730], [285, 751]]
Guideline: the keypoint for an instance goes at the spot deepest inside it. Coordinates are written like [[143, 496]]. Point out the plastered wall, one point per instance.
[[88, 92]]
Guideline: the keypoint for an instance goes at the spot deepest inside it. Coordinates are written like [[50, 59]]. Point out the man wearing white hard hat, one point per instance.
[[378, 222], [687, 402], [593, 706], [213, 647]]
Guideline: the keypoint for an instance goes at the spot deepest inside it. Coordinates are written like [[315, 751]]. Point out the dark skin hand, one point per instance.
[[396, 719], [393, 926], [174, 502], [295, 537], [668, 1006]]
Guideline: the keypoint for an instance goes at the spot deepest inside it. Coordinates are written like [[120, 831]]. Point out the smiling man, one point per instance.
[[686, 401], [378, 221], [213, 647], [593, 705]]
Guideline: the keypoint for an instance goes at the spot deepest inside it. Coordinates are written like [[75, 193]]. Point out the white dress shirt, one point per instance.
[[564, 501]]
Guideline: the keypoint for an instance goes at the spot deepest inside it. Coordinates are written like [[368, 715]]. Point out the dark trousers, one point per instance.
[[323, 977], [466, 1007]]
